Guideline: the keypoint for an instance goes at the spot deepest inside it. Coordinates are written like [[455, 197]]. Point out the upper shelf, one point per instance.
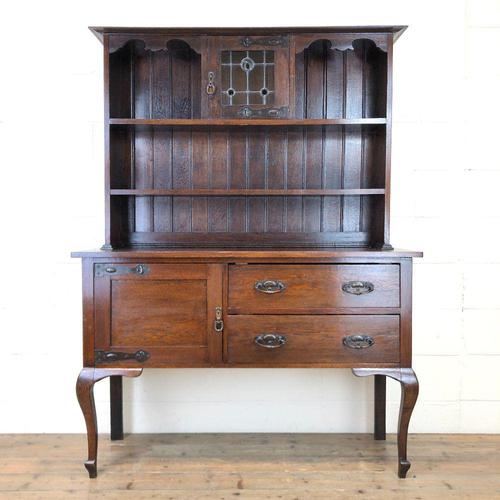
[[246, 122], [246, 192]]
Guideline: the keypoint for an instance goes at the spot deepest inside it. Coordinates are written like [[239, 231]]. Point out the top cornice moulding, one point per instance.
[[100, 31]]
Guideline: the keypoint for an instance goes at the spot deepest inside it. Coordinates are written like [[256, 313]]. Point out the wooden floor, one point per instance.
[[256, 466]]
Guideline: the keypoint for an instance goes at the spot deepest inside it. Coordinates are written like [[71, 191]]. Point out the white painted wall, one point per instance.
[[446, 178]]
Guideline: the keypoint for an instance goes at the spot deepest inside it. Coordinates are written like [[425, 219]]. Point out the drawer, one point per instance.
[[344, 339], [300, 289]]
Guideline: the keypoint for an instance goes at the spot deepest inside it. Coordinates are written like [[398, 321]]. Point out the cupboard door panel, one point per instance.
[[166, 310], [158, 313]]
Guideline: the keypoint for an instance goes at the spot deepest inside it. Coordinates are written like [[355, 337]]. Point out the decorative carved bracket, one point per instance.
[[153, 43], [341, 41]]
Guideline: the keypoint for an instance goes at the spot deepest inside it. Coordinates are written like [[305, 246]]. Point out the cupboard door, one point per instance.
[[157, 314], [251, 75]]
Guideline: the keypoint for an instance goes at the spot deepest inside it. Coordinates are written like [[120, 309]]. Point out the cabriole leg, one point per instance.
[[85, 393], [409, 393]]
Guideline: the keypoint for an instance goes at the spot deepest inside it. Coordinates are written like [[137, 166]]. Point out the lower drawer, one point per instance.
[[312, 339]]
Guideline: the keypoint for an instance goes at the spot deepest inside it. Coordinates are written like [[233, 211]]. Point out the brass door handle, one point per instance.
[[358, 341], [358, 287], [270, 340], [211, 88], [218, 323], [270, 286]]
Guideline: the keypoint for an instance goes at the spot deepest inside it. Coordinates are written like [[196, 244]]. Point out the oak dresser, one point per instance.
[[247, 196]]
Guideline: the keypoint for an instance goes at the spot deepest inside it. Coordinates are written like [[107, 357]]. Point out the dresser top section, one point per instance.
[[99, 31], [238, 254]]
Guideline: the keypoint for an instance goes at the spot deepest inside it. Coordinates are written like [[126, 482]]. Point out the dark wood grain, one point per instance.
[[242, 122], [312, 339], [409, 393], [308, 288], [391, 29], [303, 168], [116, 407], [168, 312], [166, 149], [277, 253], [210, 198], [379, 407], [244, 192], [85, 393]]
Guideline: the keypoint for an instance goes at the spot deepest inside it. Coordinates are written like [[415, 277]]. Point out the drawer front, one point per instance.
[[299, 289], [276, 340]]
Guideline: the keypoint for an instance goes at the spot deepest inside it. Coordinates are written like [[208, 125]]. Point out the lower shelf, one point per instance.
[[245, 192], [267, 240]]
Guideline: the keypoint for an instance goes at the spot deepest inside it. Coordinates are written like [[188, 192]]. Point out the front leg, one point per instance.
[[85, 394], [409, 393]]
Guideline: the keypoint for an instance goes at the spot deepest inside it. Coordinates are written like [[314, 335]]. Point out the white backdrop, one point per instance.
[[446, 175]]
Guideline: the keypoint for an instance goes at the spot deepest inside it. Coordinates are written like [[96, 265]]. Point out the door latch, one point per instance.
[[211, 83], [218, 323]]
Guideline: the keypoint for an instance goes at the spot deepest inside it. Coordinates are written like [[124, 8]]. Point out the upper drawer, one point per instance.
[[300, 289]]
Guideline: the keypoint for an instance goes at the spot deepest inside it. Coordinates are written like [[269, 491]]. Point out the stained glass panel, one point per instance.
[[247, 77]]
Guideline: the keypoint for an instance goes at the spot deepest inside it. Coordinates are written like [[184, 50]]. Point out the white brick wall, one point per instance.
[[446, 174]]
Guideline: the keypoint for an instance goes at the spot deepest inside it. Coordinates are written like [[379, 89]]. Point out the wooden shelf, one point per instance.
[[245, 192], [246, 122]]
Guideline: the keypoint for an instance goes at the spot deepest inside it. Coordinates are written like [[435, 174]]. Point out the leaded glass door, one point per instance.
[[252, 77]]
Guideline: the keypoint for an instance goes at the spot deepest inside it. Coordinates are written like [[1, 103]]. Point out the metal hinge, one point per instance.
[[272, 41], [249, 112], [119, 270], [111, 356]]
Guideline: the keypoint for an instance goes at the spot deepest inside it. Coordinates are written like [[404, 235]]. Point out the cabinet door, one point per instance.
[[252, 77], [157, 314]]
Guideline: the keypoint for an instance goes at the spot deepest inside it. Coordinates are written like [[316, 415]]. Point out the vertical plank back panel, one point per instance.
[[256, 179], [330, 81], [238, 178], [200, 179], [218, 206]]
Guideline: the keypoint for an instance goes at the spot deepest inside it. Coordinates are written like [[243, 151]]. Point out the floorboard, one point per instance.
[[250, 466]]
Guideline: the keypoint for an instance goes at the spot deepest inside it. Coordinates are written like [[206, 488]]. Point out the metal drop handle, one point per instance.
[[358, 287], [270, 286], [270, 340], [358, 341]]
